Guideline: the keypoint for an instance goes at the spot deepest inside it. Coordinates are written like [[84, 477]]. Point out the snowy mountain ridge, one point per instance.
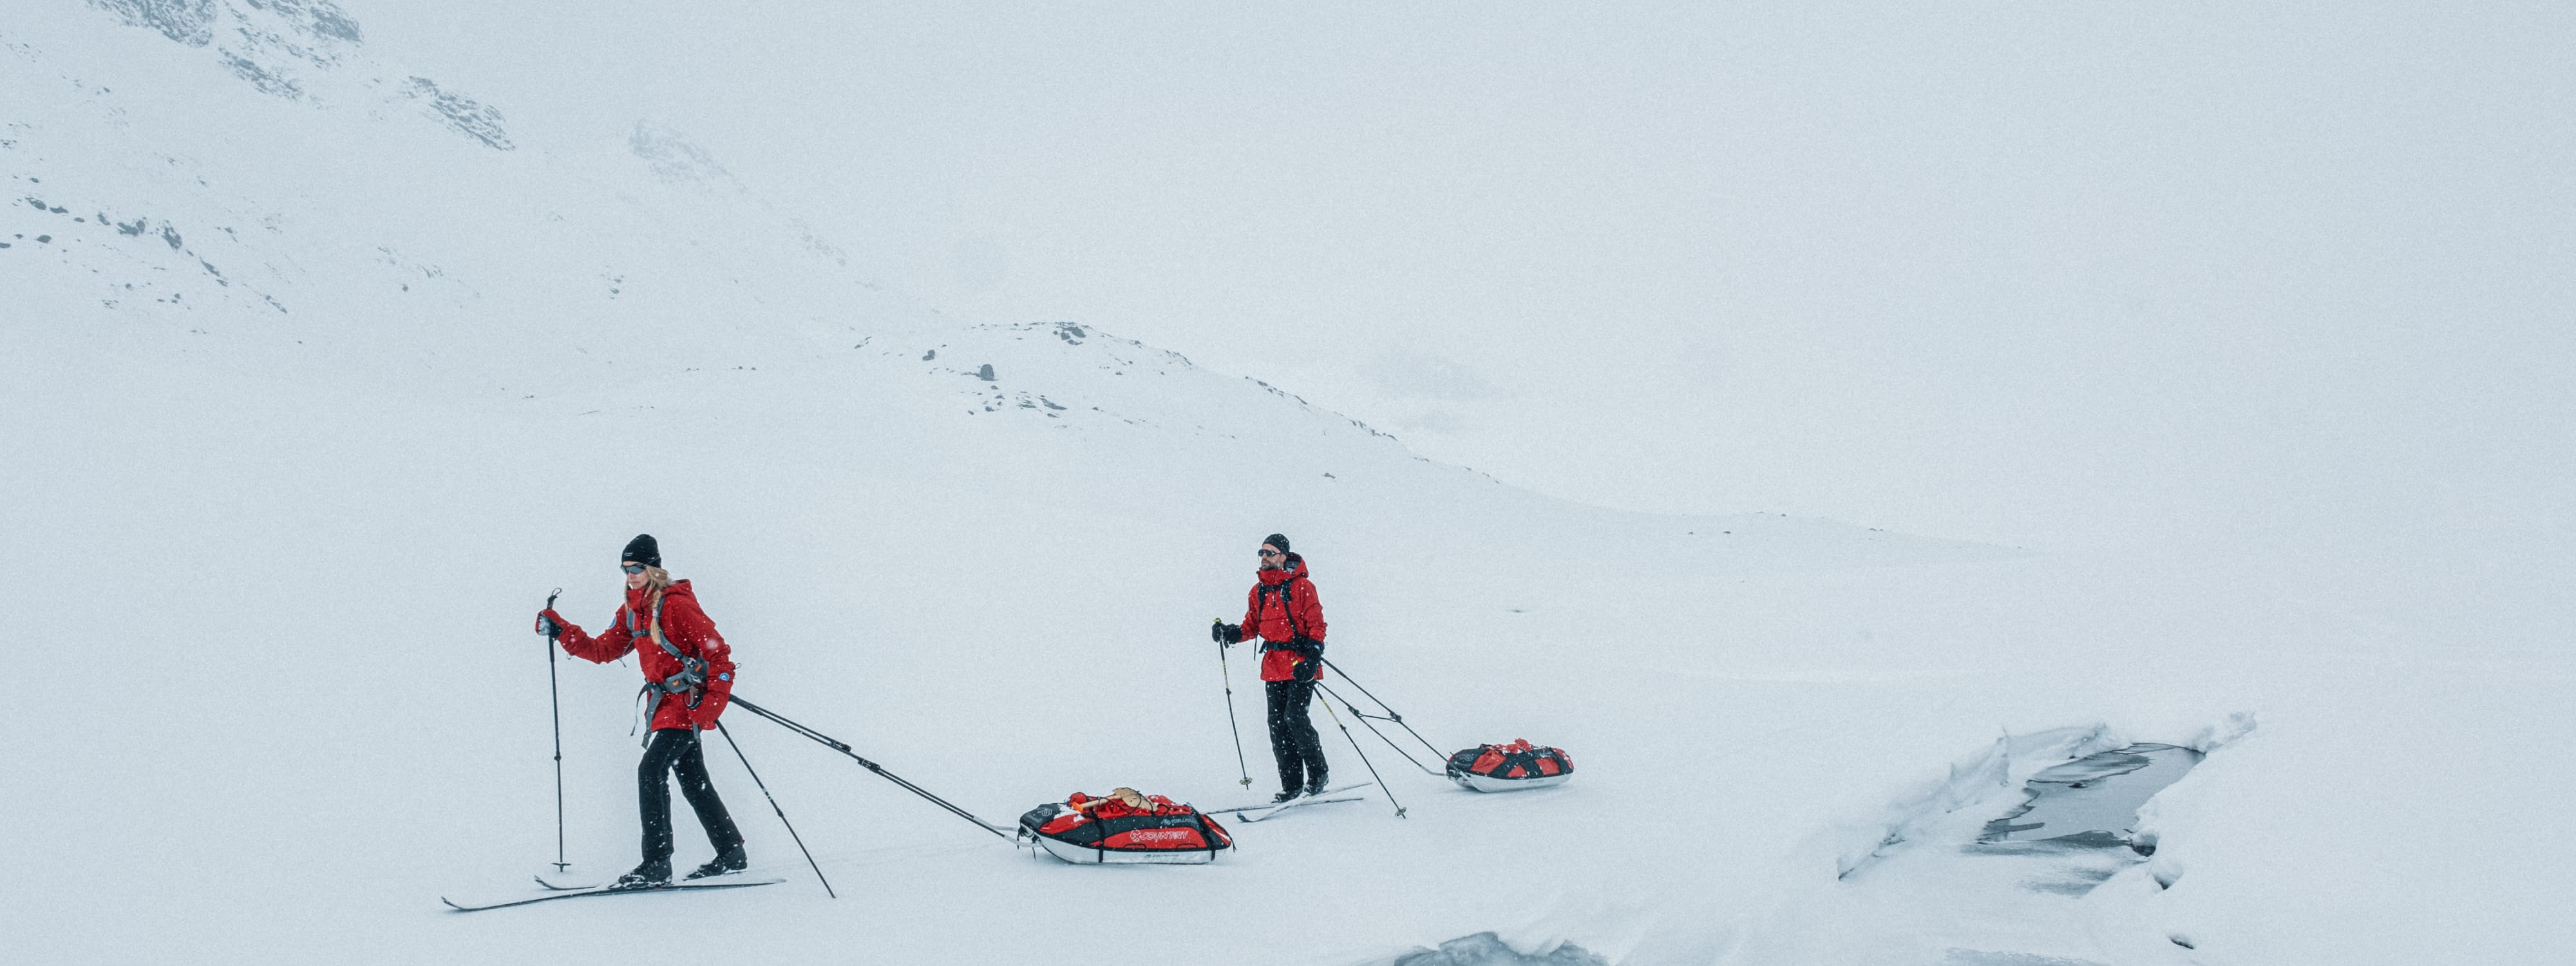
[[305, 50], [210, 228], [360, 244]]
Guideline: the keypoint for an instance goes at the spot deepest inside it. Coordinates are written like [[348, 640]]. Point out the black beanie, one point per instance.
[[643, 550], [1277, 540]]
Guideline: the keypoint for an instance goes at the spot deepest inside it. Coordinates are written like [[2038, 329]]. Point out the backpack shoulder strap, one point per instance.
[[1288, 604], [691, 665], [657, 629], [693, 671]]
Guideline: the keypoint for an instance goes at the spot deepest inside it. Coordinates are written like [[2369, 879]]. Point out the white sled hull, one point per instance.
[[1086, 855], [1485, 783]]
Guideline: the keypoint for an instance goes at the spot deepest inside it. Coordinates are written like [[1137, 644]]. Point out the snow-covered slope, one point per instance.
[[316, 377]]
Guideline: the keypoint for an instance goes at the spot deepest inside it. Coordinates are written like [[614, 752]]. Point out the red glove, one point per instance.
[[703, 717]]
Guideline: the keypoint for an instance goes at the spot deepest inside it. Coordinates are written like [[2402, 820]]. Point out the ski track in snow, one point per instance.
[[319, 372]]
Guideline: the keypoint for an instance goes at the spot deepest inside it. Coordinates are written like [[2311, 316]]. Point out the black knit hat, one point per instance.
[[1277, 540], [643, 550]]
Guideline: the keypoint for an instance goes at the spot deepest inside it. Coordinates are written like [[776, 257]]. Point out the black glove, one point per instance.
[[1224, 633], [1310, 659], [546, 624]]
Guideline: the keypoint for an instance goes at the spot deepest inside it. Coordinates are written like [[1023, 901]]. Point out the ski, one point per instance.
[[552, 886], [1266, 806], [1273, 811], [608, 891]]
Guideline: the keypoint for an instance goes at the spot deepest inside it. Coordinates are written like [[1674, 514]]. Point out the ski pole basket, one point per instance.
[[1125, 828], [1509, 768]]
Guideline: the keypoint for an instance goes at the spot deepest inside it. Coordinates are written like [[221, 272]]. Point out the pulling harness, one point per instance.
[[692, 676], [1309, 648]]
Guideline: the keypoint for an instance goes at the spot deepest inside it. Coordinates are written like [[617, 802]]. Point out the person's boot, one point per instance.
[[1315, 785], [654, 872], [733, 860], [1292, 776]]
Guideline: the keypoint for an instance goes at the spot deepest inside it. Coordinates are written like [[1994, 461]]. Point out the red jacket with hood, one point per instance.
[[1282, 606], [687, 628]]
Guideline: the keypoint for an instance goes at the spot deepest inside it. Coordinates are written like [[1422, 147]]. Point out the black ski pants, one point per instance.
[[1292, 738], [677, 750]]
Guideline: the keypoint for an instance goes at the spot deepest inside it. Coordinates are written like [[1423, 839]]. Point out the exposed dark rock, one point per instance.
[[268, 81], [1488, 949], [320, 17], [467, 116], [190, 22]]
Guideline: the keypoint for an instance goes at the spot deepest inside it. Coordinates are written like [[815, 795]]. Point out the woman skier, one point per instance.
[[688, 673], [1285, 613]]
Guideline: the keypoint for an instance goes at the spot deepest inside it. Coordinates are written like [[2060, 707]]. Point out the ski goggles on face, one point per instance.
[[632, 568], [1267, 554]]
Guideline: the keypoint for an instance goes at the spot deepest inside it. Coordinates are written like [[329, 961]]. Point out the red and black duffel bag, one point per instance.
[[1124, 828], [1509, 768]]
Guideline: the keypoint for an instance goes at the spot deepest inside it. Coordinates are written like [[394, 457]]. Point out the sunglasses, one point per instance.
[[1266, 554], [632, 568]]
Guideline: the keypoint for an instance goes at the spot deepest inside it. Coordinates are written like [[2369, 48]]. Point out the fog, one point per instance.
[[2052, 275]]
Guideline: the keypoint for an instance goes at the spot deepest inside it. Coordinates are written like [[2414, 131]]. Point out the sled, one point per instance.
[[1137, 829], [1519, 766]]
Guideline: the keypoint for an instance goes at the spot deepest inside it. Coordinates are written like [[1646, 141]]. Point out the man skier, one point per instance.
[[1285, 613], [688, 671]]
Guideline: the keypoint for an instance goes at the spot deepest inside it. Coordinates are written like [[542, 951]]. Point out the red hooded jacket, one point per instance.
[[1279, 609], [687, 628]]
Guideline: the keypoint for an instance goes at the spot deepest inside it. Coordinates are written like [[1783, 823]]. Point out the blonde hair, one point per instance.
[[656, 578]]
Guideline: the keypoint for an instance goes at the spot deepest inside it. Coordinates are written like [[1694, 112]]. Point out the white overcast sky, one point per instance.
[[2042, 273]]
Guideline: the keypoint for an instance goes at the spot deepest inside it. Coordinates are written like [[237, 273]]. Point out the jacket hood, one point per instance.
[[1293, 569], [636, 598]]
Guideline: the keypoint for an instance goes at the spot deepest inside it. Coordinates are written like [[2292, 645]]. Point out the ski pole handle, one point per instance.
[[550, 605]]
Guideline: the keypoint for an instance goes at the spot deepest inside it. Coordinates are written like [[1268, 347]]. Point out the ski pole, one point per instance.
[[836, 745], [782, 813], [554, 703], [1355, 749], [1390, 715], [1381, 736], [1239, 766]]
